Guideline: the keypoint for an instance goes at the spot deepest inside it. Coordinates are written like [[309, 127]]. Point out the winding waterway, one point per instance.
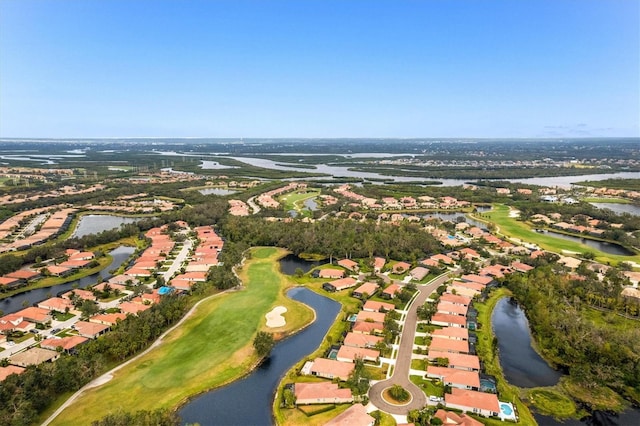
[[249, 401], [522, 366], [603, 246], [15, 303]]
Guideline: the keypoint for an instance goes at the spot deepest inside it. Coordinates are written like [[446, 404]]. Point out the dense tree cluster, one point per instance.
[[23, 397], [595, 354], [140, 418]]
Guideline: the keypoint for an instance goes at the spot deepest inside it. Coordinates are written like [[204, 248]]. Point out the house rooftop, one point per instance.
[[455, 376], [473, 399], [356, 415]]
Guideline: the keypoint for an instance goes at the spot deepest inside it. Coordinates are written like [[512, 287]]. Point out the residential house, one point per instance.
[[25, 275], [484, 404], [373, 306], [349, 264], [391, 291], [9, 370], [356, 415], [10, 283], [454, 377], [370, 316], [442, 344], [90, 329], [367, 327], [459, 361], [484, 280], [133, 308], [321, 393], [68, 344], [447, 320], [56, 304], [358, 340], [401, 267], [455, 333], [456, 299], [35, 315], [79, 294], [331, 273], [15, 322], [33, 356], [452, 309], [352, 353], [366, 290], [331, 369], [108, 319], [378, 264], [419, 273], [449, 418], [521, 267], [341, 284]]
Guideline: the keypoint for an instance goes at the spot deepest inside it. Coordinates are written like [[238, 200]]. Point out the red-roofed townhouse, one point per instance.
[[358, 340], [391, 291], [447, 320], [356, 415], [352, 353], [349, 264], [442, 344], [25, 275], [321, 393], [373, 306], [449, 418], [521, 267], [68, 344], [341, 284], [455, 378], [366, 290], [367, 327], [331, 273], [10, 283], [455, 333], [452, 309], [456, 298], [90, 329], [331, 369], [485, 404], [459, 361], [370, 316]]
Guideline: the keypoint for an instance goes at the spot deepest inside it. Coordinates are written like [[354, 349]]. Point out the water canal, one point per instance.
[[249, 401], [606, 247], [522, 366], [17, 302]]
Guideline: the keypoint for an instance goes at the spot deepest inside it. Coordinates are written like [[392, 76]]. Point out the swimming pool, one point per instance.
[[352, 318], [506, 409], [487, 385], [333, 354], [164, 290]]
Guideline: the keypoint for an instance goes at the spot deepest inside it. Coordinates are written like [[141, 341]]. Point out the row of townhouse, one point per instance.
[[56, 222]]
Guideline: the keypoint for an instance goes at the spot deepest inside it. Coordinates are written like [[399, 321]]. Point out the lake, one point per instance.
[[610, 248], [15, 303], [619, 208], [521, 364], [96, 223], [291, 262], [248, 401]]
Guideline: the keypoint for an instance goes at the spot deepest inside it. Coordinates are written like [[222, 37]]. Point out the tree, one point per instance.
[[399, 393], [263, 343]]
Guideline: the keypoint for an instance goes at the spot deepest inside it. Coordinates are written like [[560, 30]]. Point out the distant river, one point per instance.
[[619, 208]]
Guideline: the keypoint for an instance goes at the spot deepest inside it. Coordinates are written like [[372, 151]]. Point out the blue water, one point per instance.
[[505, 409]]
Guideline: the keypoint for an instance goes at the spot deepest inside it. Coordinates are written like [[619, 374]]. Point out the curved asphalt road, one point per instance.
[[403, 361]]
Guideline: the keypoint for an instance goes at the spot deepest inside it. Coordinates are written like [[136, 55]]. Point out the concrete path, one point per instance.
[[403, 362]]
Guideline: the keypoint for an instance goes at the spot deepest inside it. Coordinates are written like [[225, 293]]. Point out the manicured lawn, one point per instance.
[[551, 402], [514, 228], [428, 386], [606, 200], [211, 348], [295, 200]]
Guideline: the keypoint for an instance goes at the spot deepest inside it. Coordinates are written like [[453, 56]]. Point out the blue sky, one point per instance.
[[305, 68]]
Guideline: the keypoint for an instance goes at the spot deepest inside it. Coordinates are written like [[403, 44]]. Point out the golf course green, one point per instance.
[[212, 347]]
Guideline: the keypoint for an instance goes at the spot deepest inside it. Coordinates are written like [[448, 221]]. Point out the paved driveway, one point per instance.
[[403, 361]]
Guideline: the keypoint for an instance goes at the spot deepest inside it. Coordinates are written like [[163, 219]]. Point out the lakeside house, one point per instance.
[[443, 344], [454, 377], [331, 369], [349, 264], [340, 284], [391, 291], [459, 361], [448, 320], [330, 273], [368, 327], [321, 393], [455, 333], [484, 404]]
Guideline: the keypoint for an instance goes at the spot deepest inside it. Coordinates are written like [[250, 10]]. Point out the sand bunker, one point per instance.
[[514, 213], [275, 318]]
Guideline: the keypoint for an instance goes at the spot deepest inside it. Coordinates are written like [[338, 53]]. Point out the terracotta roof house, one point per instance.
[[356, 415], [521, 267], [370, 316], [475, 286], [419, 273], [401, 267], [36, 315], [81, 255], [123, 279], [358, 340], [455, 333], [14, 322], [68, 344], [452, 308], [56, 304], [113, 286], [348, 264], [133, 308], [449, 418], [321, 393], [496, 271], [373, 306], [463, 291], [341, 284], [442, 258], [459, 361], [569, 262], [430, 263], [456, 299], [442, 344], [9, 370], [391, 291], [330, 369], [24, 274], [469, 253], [80, 294], [138, 272], [90, 329], [108, 319], [485, 404], [59, 271], [10, 283], [476, 279], [447, 320], [33, 356], [182, 284], [366, 290], [330, 273], [352, 353], [455, 378], [366, 327], [195, 276], [378, 263]]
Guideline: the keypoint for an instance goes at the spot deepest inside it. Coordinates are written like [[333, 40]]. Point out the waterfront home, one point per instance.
[[321, 393], [459, 361], [454, 377], [56, 304], [340, 284], [359, 340], [351, 354], [33, 356], [348, 264], [330, 273], [447, 320], [58, 271], [25, 275], [374, 306], [331, 369], [484, 404], [370, 316], [10, 283], [79, 294], [442, 344], [356, 415], [35, 315], [455, 333], [367, 327], [366, 290]]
